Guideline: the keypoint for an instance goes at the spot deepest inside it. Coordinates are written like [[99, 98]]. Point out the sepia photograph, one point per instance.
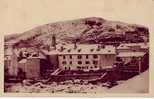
[[65, 47]]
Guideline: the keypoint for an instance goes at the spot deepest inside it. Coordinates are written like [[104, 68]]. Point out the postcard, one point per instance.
[[77, 48]]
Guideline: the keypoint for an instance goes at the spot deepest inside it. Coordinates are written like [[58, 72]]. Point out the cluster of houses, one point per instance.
[[85, 57]]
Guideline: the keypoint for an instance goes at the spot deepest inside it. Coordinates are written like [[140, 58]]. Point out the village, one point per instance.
[[81, 64]]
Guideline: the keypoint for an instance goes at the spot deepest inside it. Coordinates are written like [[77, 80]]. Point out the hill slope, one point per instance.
[[85, 30]]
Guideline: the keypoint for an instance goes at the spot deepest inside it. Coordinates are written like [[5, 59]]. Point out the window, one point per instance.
[[87, 62], [95, 66], [70, 62], [95, 62], [85, 67], [69, 50], [86, 56], [79, 56], [95, 56], [70, 56], [65, 68], [64, 57], [79, 50], [64, 62], [91, 50], [78, 67], [98, 49], [79, 62]]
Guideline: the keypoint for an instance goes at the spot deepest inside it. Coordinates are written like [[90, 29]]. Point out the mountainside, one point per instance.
[[85, 30]]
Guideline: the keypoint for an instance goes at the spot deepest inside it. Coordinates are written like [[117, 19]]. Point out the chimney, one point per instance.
[[102, 46], [75, 45], [53, 44], [98, 48], [79, 50], [61, 48]]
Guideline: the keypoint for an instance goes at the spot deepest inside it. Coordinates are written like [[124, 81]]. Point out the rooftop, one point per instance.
[[83, 49], [128, 45], [131, 54]]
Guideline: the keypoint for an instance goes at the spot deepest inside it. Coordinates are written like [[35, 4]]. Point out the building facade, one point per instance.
[[134, 55], [84, 57], [10, 59]]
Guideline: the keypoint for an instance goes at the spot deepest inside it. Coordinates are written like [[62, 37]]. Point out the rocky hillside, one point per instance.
[[85, 30]]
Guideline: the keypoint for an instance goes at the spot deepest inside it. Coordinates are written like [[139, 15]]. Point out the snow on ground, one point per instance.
[[137, 84]]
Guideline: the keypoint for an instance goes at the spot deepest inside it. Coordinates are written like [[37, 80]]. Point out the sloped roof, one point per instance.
[[40, 56], [23, 61], [131, 54], [83, 49], [128, 45]]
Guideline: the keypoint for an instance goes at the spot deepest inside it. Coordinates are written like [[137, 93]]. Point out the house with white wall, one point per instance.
[[84, 56]]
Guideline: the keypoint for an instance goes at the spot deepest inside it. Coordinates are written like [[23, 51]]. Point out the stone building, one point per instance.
[[83, 56]]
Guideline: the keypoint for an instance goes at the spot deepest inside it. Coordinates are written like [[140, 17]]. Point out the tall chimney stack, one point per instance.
[[75, 45], [53, 44]]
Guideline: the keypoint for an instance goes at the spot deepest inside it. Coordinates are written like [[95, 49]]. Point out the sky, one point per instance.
[[18, 16]]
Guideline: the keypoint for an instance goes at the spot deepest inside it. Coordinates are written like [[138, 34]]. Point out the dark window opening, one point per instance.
[[87, 62], [79, 62], [95, 62], [79, 50], [86, 56], [64, 62], [95, 56], [91, 50], [98, 49], [64, 57], [69, 50], [79, 56], [78, 67]]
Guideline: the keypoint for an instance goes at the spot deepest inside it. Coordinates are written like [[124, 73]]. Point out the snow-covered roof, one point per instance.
[[131, 54], [11, 42], [32, 57], [83, 49], [23, 61], [40, 56], [128, 45]]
